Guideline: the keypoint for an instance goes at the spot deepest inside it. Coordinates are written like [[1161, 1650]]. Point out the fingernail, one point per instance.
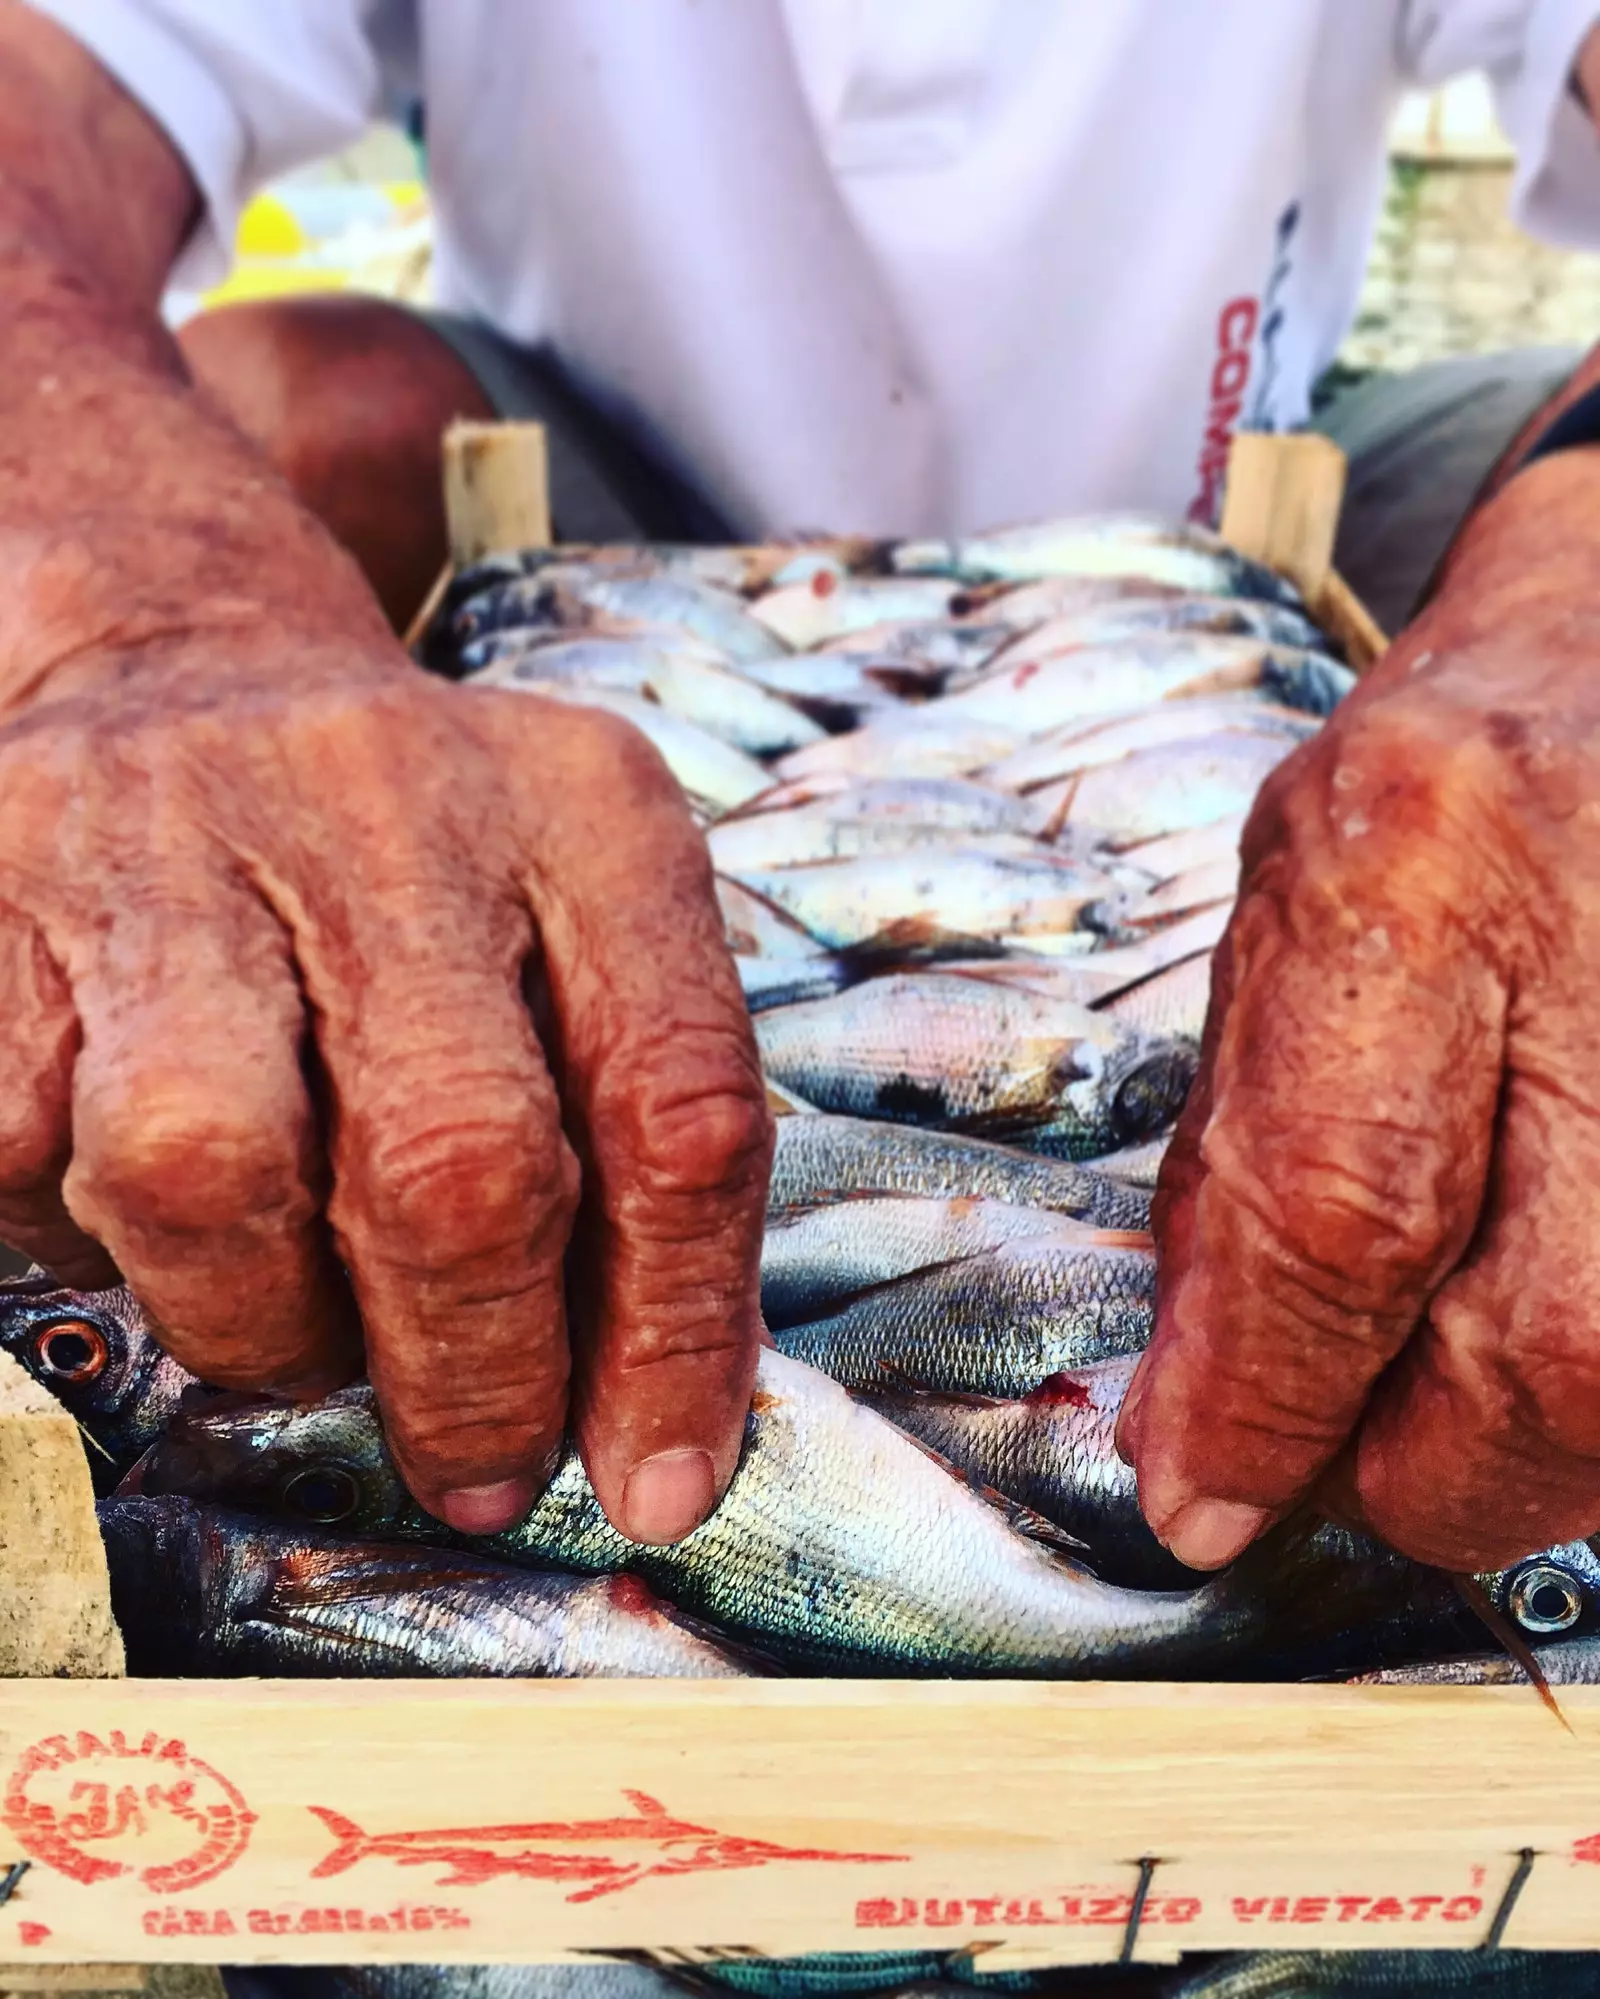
[[486, 1509], [668, 1496], [1209, 1532]]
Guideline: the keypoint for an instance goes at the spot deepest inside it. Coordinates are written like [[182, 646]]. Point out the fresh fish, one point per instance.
[[997, 1323], [810, 1261], [1200, 888], [839, 1545], [1090, 980], [786, 981], [1195, 847], [575, 596], [1029, 693], [1569, 1662], [1079, 747], [1054, 1451], [1131, 546], [1023, 606], [1172, 1004], [756, 929], [824, 1159], [744, 847], [952, 804], [956, 646], [931, 741], [845, 693], [706, 767], [937, 898], [1137, 1165], [197, 1590], [1165, 790], [97, 1354], [1131, 617], [971, 1055], [723, 703], [815, 612]]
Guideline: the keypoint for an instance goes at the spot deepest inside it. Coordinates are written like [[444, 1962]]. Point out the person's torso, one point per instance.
[[862, 265]]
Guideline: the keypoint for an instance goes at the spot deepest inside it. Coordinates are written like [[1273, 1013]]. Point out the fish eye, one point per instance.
[[1544, 1599], [325, 1494], [71, 1350]]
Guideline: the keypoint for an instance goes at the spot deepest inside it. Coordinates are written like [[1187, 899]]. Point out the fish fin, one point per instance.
[[131, 1484], [92, 1441], [1506, 1635], [352, 1843], [1121, 1238], [1035, 1527]]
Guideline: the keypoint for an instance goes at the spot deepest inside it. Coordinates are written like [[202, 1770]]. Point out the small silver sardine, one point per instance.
[[1172, 1005], [1137, 1165], [997, 1323], [1226, 617], [1054, 1451], [823, 1159], [757, 929], [575, 595], [1134, 546], [840, 1544], [197, 1590], [938, 897], [929, 741], [810, 1261], [825, 608], [977, 1056], [1169, 788], [96, 1353], [787, 981], [707, 768], [1077, 748]]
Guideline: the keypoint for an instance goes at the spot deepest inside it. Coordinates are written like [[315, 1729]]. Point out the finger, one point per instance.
[[660, 1073], [1334, 1165], [37, 1054], [195, 1155], [1482, 1443], [453, 1188]]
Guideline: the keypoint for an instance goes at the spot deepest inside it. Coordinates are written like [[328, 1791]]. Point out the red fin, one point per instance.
[[1122, 1238]]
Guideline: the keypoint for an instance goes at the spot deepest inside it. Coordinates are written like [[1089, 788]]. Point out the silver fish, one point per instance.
[[976, 1056], [1167, 789], [1181, 853], [722, 702], [997, 1323], [802, 838], [703, 764], [1172, 1004], [787, 981], [951, 646], [1137, 1165], [815, 612], [1054, 1451], [823, 1159], [1131, 617], [574, 596], [96, 1353], [1087, 981], [1569, 1662], [939, 897], [913, 742], [1029, 693], [890, 817], [1080, 747], [756, 929], [1201, 888], [840, 1543], [810, 1261], [1133, 546], [197, 1590]]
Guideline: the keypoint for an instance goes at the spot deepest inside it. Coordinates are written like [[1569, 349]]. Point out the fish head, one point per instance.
[[1124, 1087], [1553, 1594], [322, 1464], [97, 1354]]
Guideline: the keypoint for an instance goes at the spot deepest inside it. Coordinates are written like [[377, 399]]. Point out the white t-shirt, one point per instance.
[[884, 265]]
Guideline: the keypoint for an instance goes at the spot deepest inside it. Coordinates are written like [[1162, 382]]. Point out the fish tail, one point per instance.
[[352, 1843]]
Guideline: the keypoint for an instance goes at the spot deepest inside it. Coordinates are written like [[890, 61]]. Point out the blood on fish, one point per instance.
[[628, 1593], [1025, 673], [824, 583], [1060, 1391]]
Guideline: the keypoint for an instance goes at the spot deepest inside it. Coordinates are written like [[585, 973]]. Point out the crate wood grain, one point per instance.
[[474, 1821]]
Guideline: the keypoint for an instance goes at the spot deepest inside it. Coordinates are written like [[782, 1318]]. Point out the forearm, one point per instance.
[[130, 511]]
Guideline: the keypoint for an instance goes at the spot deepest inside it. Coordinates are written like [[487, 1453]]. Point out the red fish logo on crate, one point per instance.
[[581, 1852], [99, 1807]]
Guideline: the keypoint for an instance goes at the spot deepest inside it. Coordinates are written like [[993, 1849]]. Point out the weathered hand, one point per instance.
[[265, 939], [1379, 1225]]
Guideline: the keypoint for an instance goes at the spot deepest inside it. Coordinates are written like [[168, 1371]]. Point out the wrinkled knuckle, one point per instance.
[[449, 1193], [158, 1156], [700, 1125]]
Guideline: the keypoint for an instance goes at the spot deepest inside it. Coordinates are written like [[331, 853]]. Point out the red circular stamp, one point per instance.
[[97, 1807]]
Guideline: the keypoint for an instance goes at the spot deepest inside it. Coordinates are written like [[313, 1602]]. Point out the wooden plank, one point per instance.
[[496, 488], [73, 1978], [55, 1594], [472, 1821], [1284, 496]]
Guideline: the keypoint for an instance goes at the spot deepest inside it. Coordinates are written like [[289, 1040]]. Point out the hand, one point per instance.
[[264, 942], [1379, 1224]]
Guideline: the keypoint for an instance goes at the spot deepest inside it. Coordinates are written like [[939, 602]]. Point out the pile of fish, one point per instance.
[[974, 810]]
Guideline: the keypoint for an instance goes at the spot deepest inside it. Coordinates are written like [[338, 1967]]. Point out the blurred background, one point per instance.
[[1450, 274]]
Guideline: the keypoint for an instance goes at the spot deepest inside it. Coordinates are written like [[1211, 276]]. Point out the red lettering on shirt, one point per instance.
[[1230, 377]]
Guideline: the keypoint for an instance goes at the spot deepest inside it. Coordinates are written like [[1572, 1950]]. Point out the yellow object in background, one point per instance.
[[373, 237]]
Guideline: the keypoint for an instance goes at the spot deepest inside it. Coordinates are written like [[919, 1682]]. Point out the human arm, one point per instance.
[[269, 903]]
